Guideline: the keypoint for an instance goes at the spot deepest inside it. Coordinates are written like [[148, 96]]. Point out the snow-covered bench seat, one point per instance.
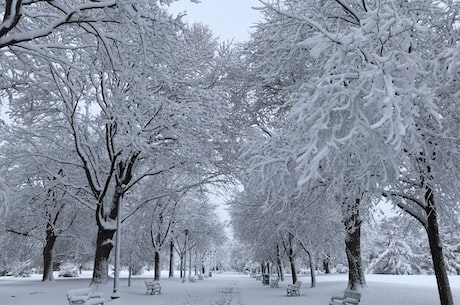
[[274, 282], [350, 297], [153, 287], [85, 296], [192, 279], [294, 289]]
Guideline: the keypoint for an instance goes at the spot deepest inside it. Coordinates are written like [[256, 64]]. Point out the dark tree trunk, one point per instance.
[[292, 263], [326, 262], [156, 258], [105, 241], [279, 263], [48, 254], [130, 273], [290, 255], [439, 265], [190, 263], [181, 266], [355, 268], [171, 259], [352, 224], [104, 245], [312, 269], [195, 265], [106, 217]]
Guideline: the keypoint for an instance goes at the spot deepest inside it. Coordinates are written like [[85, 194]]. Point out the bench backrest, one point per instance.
[[352, 294]]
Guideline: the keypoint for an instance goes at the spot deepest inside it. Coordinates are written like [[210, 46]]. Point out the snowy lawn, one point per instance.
[[230, 289]]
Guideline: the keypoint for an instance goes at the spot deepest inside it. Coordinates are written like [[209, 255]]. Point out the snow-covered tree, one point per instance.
[[149, 112], [356, 101]]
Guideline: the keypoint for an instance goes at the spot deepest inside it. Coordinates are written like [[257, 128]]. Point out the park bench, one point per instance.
[[152, 286], [294, 289], [350, 297], [274, 282], [200, 277], [85, 296], [192, 279], [258, 277]]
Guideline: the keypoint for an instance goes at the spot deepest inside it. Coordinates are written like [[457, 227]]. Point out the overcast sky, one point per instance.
[[228, 19]]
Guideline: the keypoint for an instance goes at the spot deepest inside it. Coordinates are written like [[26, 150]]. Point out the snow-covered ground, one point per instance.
[[230, 289]]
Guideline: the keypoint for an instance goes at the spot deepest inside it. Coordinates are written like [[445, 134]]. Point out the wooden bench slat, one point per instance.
[[294, 289], [350, 297], [152, 286]]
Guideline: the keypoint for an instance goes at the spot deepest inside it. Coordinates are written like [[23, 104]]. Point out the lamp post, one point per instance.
[[185, 255], [116, 276]]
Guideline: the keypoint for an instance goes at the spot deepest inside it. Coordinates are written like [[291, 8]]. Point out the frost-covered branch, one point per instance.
[[349, 9], [15, 10], [416, 213], [305, 20]]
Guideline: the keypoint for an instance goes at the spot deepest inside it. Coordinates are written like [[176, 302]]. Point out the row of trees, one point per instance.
[[112, 118], [330, 108], [351, 103]]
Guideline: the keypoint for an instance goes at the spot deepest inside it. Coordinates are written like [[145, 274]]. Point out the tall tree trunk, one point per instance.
[[104, 245], [190, 263], [105, 241], [48, 253], [312, 269], [293, 270], [352, 222], [326, 262], [439, 265], [290, 254], [181, 266], [195, 265], [171, 259], [156, 258], [130, 273], [279, 262]]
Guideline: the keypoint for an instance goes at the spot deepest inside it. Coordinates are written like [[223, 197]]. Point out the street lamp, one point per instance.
[[116, 276], [185, 255]]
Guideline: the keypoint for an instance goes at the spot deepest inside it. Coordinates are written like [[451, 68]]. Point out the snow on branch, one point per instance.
[[16, 9], [302, 19]]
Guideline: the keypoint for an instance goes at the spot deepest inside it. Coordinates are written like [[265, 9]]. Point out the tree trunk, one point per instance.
[[48, 254], [352, 224], [190, 263], [326, 262], [156, 265], [195, 265], [312, 269], [439, 265], [185, 265], [279, 263], [105, 241], [290, 254], [181, 266], [171, 259], [104, 245], [293, 271]]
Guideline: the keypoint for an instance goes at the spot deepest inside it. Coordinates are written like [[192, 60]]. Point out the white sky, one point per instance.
[[228, 19]]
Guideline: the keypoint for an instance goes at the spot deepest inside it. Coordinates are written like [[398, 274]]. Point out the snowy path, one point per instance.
[[232, 289]]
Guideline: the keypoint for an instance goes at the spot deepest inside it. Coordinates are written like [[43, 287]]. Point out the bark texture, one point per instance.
[[352, 222], [439, 264], [50, 240]]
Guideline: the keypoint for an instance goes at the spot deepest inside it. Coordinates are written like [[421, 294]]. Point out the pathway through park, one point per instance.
[[230, 289]]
